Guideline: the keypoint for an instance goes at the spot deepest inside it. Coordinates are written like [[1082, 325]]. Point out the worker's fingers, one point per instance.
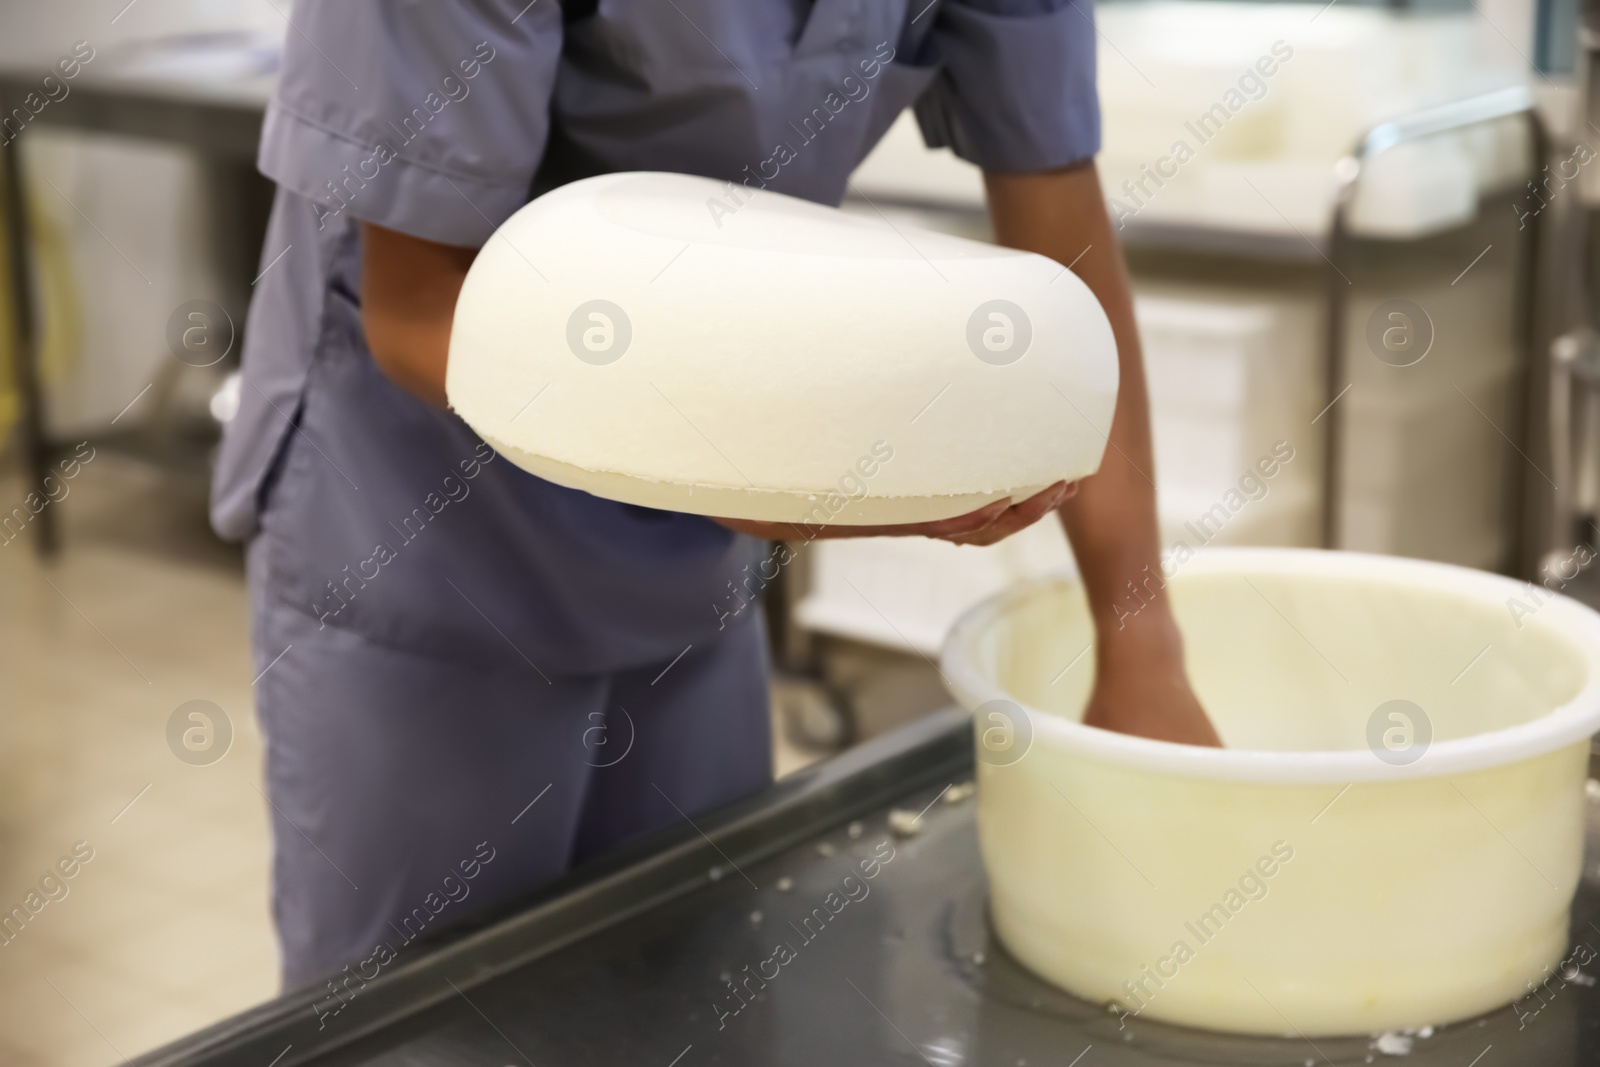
[[971, 522], [1001, 518], [997, 518], [1019, 517], [999, 530], [769, 531], [992, 534], [1029, 511]]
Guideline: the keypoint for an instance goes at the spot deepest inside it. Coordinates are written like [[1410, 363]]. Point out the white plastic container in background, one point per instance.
[[106, 339], [1270, 169], [905, 592], [1231, 372], [1358, 893], [1423, 472]]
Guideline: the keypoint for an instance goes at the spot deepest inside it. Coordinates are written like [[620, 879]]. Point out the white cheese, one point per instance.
[[680, 343]]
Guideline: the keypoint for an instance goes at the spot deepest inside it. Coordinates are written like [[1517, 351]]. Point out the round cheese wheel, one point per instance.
[[707, 347]]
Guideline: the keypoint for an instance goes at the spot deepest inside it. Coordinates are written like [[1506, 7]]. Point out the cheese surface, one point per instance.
[[680, 343]]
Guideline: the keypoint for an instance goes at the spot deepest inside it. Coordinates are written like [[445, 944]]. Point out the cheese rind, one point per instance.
[[675, 342]]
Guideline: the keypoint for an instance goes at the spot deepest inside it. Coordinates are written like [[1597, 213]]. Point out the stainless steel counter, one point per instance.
[[635, 962]]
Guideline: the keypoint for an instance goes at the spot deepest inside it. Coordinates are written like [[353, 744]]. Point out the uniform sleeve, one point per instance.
[[1016, 88], [423, 116]]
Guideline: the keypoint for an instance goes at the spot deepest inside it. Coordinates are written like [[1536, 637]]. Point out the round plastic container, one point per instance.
[[1391, 838]]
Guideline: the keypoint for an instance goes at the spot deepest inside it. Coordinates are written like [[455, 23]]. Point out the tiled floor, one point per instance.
[[166, 928]]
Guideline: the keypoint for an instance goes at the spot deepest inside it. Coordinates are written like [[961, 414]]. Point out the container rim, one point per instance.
[[1566, 724]]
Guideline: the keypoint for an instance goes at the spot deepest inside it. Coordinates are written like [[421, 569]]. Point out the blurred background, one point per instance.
[[1377, 270]]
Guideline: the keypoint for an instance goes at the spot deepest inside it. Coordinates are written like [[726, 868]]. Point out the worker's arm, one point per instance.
[[408, 296], [1140, 683], [408, 300]]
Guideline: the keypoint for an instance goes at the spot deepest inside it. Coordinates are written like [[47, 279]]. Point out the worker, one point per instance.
[[464, 668]]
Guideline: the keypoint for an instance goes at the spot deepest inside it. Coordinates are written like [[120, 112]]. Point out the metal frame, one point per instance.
[[1574, 376], [25, 346], [224, 129], [1458, 115]]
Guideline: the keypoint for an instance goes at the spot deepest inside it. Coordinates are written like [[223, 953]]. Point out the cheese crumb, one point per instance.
[[904, 823]]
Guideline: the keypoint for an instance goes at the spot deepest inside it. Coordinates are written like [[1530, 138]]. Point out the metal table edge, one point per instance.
[[657, 868]]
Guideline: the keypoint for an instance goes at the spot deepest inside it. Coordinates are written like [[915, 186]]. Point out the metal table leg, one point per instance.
[[26, 344], [1500, 104]]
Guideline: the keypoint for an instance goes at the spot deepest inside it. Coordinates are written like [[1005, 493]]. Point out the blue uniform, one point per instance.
[[460, 634]]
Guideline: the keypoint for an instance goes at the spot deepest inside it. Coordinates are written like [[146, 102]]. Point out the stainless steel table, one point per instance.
[[219, 120], [625, 963]]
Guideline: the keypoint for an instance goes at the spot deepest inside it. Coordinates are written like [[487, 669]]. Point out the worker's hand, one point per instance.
[[1140, 685], [985, 526]]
